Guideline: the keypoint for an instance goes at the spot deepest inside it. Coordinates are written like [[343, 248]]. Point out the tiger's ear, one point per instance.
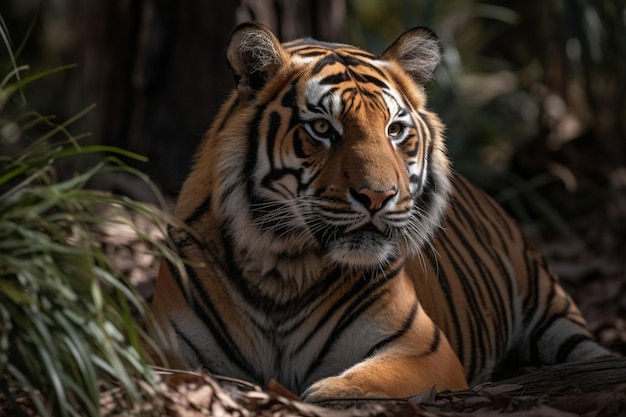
[[418, 52], [254, 54]]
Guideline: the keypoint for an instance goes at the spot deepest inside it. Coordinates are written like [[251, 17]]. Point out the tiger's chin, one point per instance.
[[363, 250]]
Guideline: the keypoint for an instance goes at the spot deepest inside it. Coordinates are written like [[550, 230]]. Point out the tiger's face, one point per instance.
[[341, 159]]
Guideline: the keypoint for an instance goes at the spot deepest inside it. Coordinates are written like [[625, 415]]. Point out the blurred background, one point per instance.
[[533, 95]]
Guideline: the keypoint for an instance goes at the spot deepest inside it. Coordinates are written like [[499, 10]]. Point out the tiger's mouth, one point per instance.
[[365, 234], [367, 228], [365, 246]]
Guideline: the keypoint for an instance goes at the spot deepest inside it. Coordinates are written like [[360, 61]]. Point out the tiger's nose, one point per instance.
[[373, 199]]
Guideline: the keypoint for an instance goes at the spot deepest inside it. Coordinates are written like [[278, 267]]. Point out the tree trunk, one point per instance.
[[158, 73], [322, 19]]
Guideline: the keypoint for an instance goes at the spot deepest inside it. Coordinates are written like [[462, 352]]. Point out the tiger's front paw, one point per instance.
[[336, 387]]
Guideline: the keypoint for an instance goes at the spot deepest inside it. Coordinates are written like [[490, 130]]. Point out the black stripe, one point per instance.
[[360, 53], [356, 309], [350, 60], [257, 299], [366, 78], [312, 47], [290, 103], [412, 152], [298, 145], [539, 331], [476, 293], [479, 226], [472, 311], [228, 114], [434, 344], [371, 286], [312, 54], [200, 211], [201, 305], [491, 282], [399, 333], [569, 345], [335, 78], [363, 300], [323, 321], [274, 124], [325, 61], [488, 244], [182, 337], [495, 213], [353, 61], [424, 136], [252, 155], [444, 282], [531, 298]]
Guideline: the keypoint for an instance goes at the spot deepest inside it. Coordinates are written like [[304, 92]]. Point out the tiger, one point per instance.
[[330, 246]]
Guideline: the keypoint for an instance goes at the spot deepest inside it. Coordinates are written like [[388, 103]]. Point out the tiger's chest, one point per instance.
[[298, 349]]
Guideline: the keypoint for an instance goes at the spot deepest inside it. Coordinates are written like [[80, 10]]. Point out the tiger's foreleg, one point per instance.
[[419, 359], [393, 374]]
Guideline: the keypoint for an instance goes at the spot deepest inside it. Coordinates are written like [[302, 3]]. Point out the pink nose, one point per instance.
[[375, 200]]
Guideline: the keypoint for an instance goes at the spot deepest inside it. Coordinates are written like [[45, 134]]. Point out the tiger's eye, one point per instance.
[[321, 126], [395, 129]]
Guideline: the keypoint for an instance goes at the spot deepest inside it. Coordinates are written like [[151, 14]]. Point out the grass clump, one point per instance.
[[68, 331]]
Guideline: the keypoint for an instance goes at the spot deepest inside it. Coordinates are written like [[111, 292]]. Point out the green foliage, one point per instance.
[[68, 330]]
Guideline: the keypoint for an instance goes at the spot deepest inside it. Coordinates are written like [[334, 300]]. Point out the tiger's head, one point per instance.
[[325, 151]]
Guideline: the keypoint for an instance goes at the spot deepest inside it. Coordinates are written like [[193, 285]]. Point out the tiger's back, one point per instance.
[[485, 284], [331, 248]]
